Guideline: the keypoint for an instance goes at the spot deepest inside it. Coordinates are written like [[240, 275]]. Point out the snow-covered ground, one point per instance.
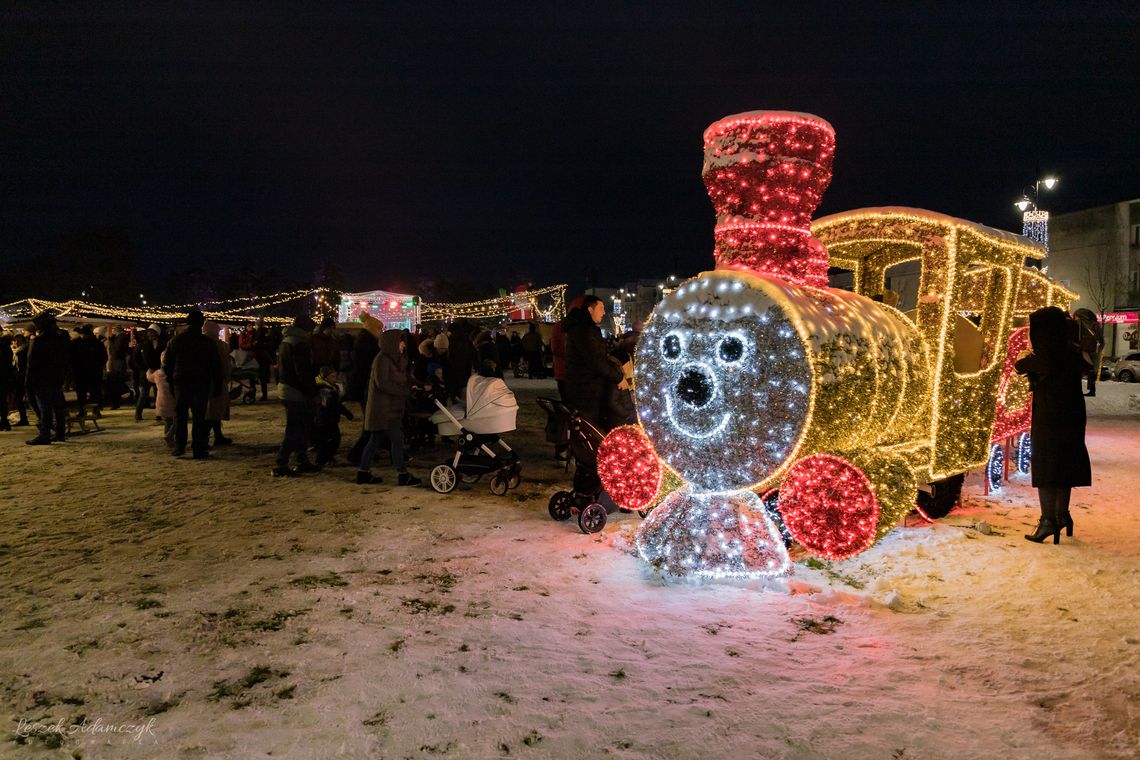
[[227, 614]]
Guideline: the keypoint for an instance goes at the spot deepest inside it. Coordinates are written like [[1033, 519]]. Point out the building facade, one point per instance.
[[1096, 252]]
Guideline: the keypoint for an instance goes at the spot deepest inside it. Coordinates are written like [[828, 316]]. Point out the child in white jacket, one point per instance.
[[164, 401]]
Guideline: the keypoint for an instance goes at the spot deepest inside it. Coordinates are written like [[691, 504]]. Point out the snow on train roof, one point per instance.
[[934, 216]]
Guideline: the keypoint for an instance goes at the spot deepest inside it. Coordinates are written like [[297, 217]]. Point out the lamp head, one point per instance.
[[1049, 182], [1023, 203]]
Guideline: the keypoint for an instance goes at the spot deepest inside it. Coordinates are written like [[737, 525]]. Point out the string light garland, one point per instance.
[[549, 303]]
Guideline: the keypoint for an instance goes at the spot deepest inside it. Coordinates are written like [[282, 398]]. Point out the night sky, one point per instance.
[[494, 142]]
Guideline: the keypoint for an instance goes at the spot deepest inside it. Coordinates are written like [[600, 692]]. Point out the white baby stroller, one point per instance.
[[490, 411]]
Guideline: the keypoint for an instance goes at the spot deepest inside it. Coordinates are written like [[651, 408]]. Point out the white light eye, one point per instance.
[[671, 346], [731, 349]]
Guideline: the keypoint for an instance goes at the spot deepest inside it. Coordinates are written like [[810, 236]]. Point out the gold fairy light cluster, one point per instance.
[[965, 268]]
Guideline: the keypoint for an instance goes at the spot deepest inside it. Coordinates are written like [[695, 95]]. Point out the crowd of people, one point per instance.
[[389, 380]]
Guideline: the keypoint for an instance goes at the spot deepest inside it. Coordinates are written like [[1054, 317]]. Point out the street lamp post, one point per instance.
[[1034, 220]]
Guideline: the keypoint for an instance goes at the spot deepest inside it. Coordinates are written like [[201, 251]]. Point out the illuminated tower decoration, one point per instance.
[[1035, 226], [766, 172]]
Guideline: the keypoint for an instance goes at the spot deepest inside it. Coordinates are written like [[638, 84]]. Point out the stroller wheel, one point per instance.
[[443, 478], [514, 479], [498, 485], [468, 478], [560, 504], [592, 518]]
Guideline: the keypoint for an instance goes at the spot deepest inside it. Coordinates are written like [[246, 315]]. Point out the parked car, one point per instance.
[[1125, 369]]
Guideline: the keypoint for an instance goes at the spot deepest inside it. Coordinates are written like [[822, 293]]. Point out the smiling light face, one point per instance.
[[722, 382]]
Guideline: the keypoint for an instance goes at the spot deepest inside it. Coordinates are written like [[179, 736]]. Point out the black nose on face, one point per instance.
[[694, 387]]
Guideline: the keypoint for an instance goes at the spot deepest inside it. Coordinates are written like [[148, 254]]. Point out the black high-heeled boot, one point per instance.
[[1045, 528], [1066, 522]]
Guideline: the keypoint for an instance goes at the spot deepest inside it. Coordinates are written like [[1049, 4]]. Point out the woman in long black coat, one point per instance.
[[1059, 460]]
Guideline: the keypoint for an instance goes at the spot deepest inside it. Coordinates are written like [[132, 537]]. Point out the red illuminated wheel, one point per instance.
[[829, 506], [629, 468], [560, 505], [592, 518]]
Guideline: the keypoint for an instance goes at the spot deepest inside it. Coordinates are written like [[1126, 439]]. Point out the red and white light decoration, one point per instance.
[[1014, 400], [829, 506], [629, 468], [766, 172]]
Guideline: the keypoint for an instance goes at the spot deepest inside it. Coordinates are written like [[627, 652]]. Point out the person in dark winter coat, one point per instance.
[[364, 351], [88, 360], [195, 373], [47, 369], [298, 390], [323, 344], [533, 351], [20, 377], [589, 372], [1091, 343], [388, 390], [459, 361], [326, 424], [1059, 459], [145, 358], [7, 378]]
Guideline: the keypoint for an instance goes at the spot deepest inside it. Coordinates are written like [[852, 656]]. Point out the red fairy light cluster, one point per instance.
[[766, 173], [629, 468], [1014, 402], [829, 506]]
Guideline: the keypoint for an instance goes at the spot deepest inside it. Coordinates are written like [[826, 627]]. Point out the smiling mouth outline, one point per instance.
[[700, 436]]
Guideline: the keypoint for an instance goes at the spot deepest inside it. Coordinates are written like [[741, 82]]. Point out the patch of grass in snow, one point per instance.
[[444, 581], [438, 749], [328, 580], [239, 689], [505, 697], [146, 603], [379, 720], [825, 567], [396, 645], [618, 674], [824, 626], [417, 606], [276, 621], [157, 708], [79, 647], [532, 738]]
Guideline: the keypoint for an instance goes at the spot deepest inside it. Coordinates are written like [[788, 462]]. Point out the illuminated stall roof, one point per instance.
[[398, 311]]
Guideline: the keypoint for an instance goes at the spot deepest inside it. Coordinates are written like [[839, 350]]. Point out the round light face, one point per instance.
[[723, 383]]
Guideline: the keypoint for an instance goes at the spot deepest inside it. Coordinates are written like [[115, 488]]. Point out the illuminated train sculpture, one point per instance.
[[757, 376]]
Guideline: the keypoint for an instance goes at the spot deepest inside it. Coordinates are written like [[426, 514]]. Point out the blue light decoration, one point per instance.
[[1035, 226], [995, 468], [1024, 453]]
